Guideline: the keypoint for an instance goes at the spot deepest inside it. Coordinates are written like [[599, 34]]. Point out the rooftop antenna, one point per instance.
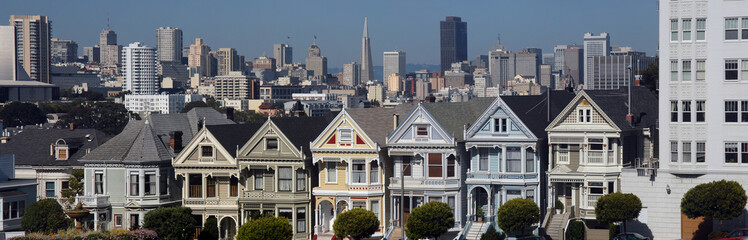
[[499, 38], [315, 40], [288, 38], [107, 21]]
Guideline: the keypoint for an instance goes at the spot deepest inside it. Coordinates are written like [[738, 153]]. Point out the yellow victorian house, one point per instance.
[[350, 158]]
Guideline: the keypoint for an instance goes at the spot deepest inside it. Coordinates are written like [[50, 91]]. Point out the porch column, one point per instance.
[[574, 195], [96, 221], [550, 157], [489, 215], [471, 210], [605, 150], [316, 218]]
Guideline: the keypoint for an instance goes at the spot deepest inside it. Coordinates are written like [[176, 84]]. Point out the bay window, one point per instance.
[[514, 159], [285, 179]]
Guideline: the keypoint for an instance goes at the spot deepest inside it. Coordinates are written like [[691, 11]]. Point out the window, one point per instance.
[[358, 204], [332, 176], [530, 194], [285, 179], [118, 220], [700, 70], [14, 209], [673, 70], [674, 151], [300, 220], [422, 131], [50, 189], [271, 144], [731, 70], [210, 187], [435, 165], [686, 70], [358, 173], [134, 184], [700, 29], [731, 111], [483, 159], [581, 115], [673, 111], [300, 180], [686, 112], [731, 152], [233, 186], [686, 152], [6, 210], [375, 208], [700, 111], [611, 187], [700, 152], [206, 151], [744, 31], [451, 162], [451, 203], [585, 115], [346, 135], [744, 111], [744, 152], [499, 125], [731, 28], [196, 185], [374, 172], [134, 221], [99, 182], [407, 165], [286, 213], [529, 160], [563, 153], [164, 182], [65, 184], [259, 179], [512, 194], [150, 183], [62, 153], [596, 188], [686, 23], [743, 69], [673, 29], [514, 159]]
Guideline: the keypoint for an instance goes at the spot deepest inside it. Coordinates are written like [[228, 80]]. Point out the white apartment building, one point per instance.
[[139, 66], [394, 62], [162, 103], [703, 105]]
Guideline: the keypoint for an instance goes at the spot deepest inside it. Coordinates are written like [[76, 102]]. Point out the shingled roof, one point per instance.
[[377, 123], [455, 117], [32, 146], [231, 136], [302, 130], [615, 104], [533, 110]]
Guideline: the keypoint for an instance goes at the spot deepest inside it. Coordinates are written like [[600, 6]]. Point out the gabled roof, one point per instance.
[[302, 130], [231, 136], [533, 110], [455, 117], [31, 147], [378, 123], [615, 104]]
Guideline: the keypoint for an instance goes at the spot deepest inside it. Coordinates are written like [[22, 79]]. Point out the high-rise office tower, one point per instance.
[[199, 57], [481, 61], [505, 65], [394, 62], [453, 41], [573, 69], [594, 45], [558, 57], [64, 51], [351, 75], [92, 53], [109, 51], [139, 66], [316, 62], [7, 53], [367, 69], [283, 54], [228, 61], [169, 44], [32, 36]]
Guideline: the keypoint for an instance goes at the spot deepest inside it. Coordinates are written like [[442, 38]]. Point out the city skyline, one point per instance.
[[337, 25]]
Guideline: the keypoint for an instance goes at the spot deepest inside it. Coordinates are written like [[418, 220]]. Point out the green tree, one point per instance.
[[171, 223], [20, 114], [248, 117], [492, 234], [266, 228], [720, 200], [617, 207], [517, 214], [45, 216], [210, 229], [429, 221], [356, 224], [107, 117], [650, 76], [75, 186], [575, 231], [190, 105]]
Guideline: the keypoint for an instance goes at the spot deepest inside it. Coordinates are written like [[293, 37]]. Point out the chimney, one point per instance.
[[637, 80], [395, 121], [175, 141], [230, 113], [72, 126], [630, 118]]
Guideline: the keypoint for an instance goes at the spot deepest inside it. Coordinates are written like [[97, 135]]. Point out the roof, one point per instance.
[[14, 83], [31, 146], [377, 123], [533, 110], [615, 104], [147, 140], [455, 117], [231, 136], [302, 130]]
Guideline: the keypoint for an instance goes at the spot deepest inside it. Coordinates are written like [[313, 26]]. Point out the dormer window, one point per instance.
[[271, 144], [585, 115], [422, 131], [500, 125], [206, 151], [61, 153], [346, 137]]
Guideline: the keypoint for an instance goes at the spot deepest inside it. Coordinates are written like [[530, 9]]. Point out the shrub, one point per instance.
[[356, 224], [210, 229], [575, 231], [266, 228], [559, 205], [617, 207], [518, 214], [429, 221], [720, 200], [171, 223], [613, 230], [492, 234], [45, 216], [715, 235]]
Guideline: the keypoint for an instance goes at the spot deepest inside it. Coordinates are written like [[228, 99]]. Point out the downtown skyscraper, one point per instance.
[[393, 63], [453, 41], [367, 69], [32, 36], [169, 44]]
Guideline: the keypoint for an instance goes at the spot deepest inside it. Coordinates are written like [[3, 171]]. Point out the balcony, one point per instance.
[[424, 181], [94, 201], [262, 195], [365, 188], [211, 202], [493, 176]]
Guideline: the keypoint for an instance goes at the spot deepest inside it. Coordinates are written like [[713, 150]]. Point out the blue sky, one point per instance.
[[413, 26]]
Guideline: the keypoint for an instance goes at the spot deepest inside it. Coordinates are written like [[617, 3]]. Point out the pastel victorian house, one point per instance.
[[275, 164], [591, 140], [428, 153], [209, 174], [507, 158], [350, 156]]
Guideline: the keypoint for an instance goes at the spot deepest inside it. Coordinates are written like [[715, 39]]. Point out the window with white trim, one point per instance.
[[673, 30], [731, 28], [731, 70], [422, 131], [673, 111], [300, 180], [686, 151], [743, 69], [686, 27], [529, 160], [686, 111], [346, 136], [285, 179], [585, 114], [482, 159], [134, 184], [301, 220], [513, 159], [700, 152], [673, 70], [271, 144], [674, 151], [700, 29], [374, 172], [358, 173], [332, 176], [500, 125], [98, 182], [686, 73], [259, 179], [700, 70], [562, 155], [731, 152], [700, 111], [375, 207], [731, 111]]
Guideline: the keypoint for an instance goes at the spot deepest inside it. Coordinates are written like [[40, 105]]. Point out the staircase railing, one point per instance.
[[463, 233], [389, 232]]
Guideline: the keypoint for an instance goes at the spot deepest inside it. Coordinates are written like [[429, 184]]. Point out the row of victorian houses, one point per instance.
[[474, 156]]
